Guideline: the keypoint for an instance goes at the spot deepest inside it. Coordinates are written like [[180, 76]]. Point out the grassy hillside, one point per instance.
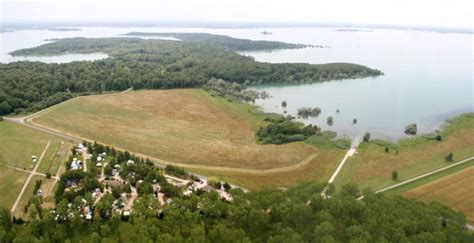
[[372, 166], [456, 191], [190, 128]]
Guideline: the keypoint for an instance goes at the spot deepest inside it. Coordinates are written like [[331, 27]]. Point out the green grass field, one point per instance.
[[17, 145], [190, 128], [455, 190], [372, 167], [11, 182]]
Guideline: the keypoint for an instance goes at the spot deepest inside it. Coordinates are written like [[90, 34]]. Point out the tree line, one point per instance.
[[144, 64]]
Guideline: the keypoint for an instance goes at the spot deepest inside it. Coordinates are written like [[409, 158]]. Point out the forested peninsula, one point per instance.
[[150, 64]]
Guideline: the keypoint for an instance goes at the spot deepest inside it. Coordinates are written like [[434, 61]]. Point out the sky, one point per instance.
[[435, 13]]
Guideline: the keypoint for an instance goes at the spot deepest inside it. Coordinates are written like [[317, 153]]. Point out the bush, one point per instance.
[[306, 112], [330, 121], [449, 157], [48, 175], [394, 175], [343, 143], [366, 137], [212, 181], [285, 132], [411, 129]]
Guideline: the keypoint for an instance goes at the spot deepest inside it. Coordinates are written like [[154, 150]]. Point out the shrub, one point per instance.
[[306, 112], [366, 137], [411, 129], [330, 121], [213, 181], [449, 157], [227, 187], [343, 143], [394, 175]]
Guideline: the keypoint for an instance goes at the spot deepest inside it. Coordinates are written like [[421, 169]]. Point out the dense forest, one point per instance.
[[299, 214], [144, 64], [226, 42]]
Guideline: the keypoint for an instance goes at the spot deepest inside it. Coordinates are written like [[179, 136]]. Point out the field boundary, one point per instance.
[[424, 175]]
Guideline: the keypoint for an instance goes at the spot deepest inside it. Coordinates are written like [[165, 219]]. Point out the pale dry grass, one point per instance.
[[456, 191], [182, 126]]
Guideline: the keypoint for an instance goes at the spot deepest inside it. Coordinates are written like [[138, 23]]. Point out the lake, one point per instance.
[[428, 75]]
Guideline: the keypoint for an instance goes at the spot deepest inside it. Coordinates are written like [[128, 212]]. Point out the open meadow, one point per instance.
[[17, 145], [191, 128], [455, 190], [372, 166]]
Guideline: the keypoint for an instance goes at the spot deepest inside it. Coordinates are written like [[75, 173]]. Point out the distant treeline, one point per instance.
[[226, 42], [144, 64]]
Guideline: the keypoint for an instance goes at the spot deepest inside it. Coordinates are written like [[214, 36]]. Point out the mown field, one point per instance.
[[17, 145], [190, 128], [455, 190], [372, 167]]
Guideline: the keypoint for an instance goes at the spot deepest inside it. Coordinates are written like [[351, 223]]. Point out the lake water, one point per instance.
[[428, 75]]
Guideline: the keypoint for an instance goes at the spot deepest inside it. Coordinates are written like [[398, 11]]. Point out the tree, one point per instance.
[[387, 149], [449, 157], [330, 120], [48, 175], [394, 175], [5, 108], [411, 129], [283, 104], [354, 121], [227, 187], [439, 138], [366, 137]]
